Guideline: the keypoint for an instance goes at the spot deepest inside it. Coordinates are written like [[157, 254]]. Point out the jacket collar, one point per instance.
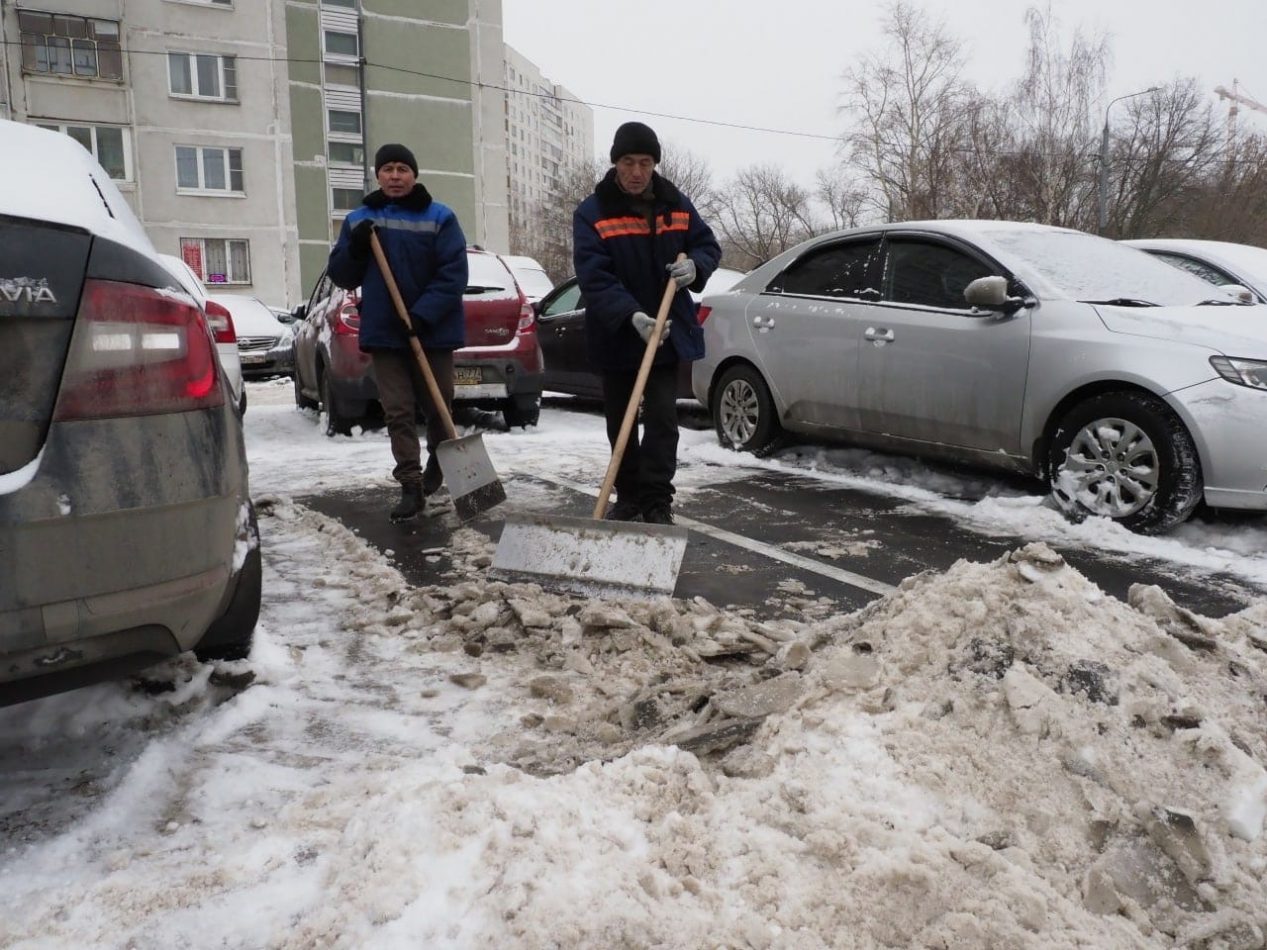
[[663, 192], [418, 200]]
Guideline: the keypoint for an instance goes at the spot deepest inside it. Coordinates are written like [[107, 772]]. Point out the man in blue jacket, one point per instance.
[[626, 239], [426, 249]]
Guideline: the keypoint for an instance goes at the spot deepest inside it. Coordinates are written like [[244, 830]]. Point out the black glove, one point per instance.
[[359, 239]]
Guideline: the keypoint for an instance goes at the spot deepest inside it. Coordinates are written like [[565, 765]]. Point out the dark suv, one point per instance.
[[499, 368]]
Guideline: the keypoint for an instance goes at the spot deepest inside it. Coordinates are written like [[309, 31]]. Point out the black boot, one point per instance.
[[623, 511], [410, 505], [432, 477]]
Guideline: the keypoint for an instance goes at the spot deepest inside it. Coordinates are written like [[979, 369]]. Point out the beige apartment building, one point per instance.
[[241, 131]]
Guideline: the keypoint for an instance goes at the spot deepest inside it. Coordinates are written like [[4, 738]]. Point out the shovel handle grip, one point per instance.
[[437, 398], [640, 383]]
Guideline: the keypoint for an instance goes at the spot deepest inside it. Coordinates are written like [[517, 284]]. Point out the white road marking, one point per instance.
[[748, 544]]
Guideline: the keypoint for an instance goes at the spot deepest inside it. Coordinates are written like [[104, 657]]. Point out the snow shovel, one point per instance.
[[472, 480], [593, 556]]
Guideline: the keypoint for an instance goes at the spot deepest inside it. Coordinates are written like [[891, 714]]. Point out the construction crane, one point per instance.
[[1237, 99]]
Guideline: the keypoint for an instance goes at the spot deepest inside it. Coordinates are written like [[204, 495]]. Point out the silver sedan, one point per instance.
[[1134, 389]]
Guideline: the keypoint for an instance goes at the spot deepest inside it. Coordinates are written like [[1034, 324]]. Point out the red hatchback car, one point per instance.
[[500, 367]]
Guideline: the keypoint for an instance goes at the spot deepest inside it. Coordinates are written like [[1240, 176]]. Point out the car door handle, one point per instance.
[[763, 323], [880, 335]]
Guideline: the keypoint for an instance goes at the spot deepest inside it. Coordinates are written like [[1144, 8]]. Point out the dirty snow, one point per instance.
[[999, 755]]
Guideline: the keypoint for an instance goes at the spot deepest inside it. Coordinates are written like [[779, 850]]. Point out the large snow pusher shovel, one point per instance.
[[468, 471], [595, 556]]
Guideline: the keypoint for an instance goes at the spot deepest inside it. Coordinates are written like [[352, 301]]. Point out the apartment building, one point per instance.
[[241, 130], [548, 133], [183, 102], [423, 72]]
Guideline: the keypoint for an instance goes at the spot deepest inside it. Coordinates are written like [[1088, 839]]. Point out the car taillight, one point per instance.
[[702, 314], [137, 351], [349, 321], [221, 323], [527, 317]]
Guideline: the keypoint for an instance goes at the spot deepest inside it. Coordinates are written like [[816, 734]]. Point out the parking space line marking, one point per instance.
[[837, 574]]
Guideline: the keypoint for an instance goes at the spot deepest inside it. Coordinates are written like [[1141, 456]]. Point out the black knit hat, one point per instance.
[[394, 152], [634, 138]]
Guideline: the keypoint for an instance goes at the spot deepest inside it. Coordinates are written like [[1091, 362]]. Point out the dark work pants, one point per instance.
[[402, 391], [645, 476]]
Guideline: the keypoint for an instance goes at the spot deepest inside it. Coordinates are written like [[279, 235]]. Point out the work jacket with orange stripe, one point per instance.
[[620, 254]]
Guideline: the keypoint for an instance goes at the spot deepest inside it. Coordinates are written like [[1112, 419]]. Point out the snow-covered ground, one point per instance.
[[996, 756]]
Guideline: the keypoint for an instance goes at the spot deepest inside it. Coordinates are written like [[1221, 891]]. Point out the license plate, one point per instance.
[[253, 357], [467, 376]]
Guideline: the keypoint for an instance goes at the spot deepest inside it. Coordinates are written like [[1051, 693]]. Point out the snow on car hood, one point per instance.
[[1235, 331]]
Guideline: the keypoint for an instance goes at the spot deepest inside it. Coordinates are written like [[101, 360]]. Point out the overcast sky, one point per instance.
[[778, 64]]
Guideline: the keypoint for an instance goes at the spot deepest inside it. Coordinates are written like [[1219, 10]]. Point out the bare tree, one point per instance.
[[759, 214], [841, 197], [910, 108], [544, 231], [690, 174]]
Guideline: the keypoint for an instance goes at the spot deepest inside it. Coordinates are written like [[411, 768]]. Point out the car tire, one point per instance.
[[230, 636], [743, 411], [336, 422], [1098, 439], [242, 403], [302, 401], [520, 417]]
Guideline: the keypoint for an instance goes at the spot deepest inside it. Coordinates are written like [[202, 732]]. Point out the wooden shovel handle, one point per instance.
[[640, 383], [403, 312]]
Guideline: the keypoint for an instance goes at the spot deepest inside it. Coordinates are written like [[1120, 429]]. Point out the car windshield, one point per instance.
[[1247, 258], [487, 276], [1085, 267]]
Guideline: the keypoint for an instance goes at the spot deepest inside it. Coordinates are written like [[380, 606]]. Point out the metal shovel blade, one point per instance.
[[590, 557], [469, 473]]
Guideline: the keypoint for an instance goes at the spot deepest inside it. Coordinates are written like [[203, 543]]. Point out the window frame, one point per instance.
[[204, 276], [360, 122], [339, 56], [87, 42], [64, 127], [870, 276], [990, 268], [202, 189], [222, 59]]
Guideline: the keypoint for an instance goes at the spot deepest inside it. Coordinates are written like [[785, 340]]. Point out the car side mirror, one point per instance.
[[1240, 292], [990, 293], [299, 312]]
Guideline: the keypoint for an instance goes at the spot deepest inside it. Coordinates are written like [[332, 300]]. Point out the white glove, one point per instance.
[[682, 271], [644, 325]]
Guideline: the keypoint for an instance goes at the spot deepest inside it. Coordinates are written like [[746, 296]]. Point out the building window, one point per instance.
[[345, 199], [342, 44], [199, 168], [345, 122], [337, 75], [203, 76], [108, 145], [347, 153], [62, 45], [218, 260]]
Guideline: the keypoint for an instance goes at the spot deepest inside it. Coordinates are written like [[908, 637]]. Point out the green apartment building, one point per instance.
[[428, 73]]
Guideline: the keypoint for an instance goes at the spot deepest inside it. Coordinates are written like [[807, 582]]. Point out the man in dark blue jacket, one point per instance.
[[426, 249], [626, 239]]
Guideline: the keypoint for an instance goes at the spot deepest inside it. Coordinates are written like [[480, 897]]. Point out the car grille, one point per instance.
[[250, 343]]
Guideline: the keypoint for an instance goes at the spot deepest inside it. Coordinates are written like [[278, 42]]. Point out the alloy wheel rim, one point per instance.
[[1111, 468], [740, 411]]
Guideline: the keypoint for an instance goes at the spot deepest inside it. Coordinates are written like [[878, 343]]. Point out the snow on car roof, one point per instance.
[[48, 176]]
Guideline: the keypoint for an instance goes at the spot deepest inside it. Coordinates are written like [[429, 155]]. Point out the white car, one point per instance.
[[1218, 262], [531, 276], [265, 344], [220, 321]]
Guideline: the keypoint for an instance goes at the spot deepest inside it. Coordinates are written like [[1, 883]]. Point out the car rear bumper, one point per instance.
[[491, 373], [1226, 421]]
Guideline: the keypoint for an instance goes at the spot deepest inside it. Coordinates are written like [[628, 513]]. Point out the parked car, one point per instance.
[[220, 321], [126, 528], [1115, 377], [499, 368], [265, 343], [561, 326], [532, 277], [1217, 262]]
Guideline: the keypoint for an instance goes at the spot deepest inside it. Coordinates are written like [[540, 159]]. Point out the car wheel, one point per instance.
[[242, 402], [743, 410], [517, 416], [231, 635], [1127, 457], [302, 401], [336, 422]]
